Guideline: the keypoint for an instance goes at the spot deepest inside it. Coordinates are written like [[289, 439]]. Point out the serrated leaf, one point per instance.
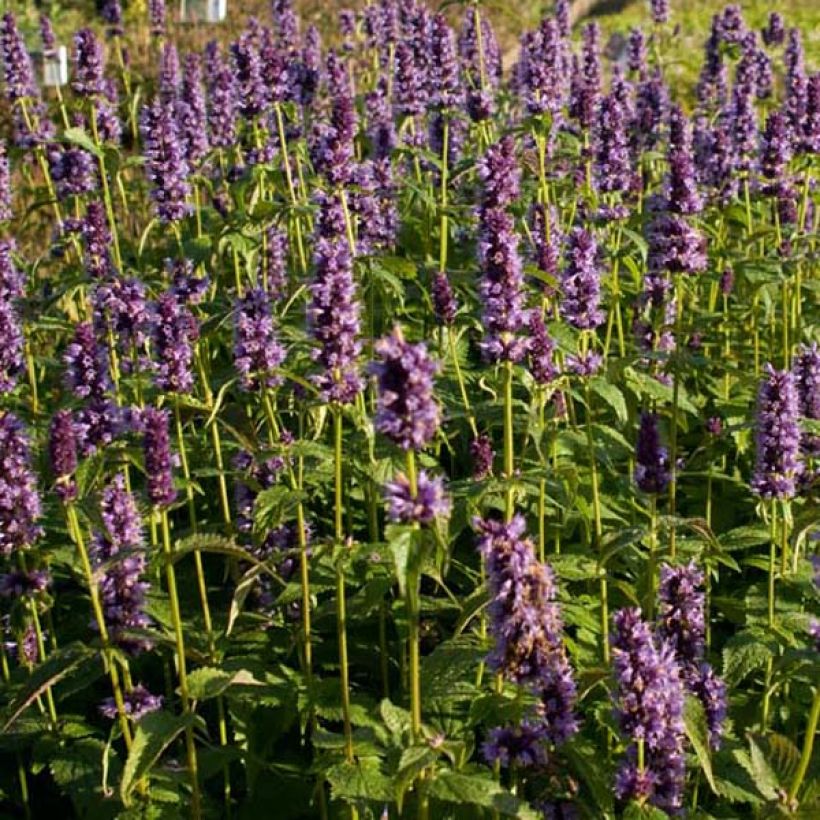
[[208, 682], [395, 718], [82, 139], [762, 773], [413, 761], [479, 790], [59, 665], [361, 780], [155, 733], [742, 655], [697, 730], [611, 395]]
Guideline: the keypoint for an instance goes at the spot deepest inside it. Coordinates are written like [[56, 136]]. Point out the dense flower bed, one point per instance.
[[385, 431]]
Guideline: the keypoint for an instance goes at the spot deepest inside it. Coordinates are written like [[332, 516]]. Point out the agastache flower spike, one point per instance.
[[87, 372], [257, 351], [157, 17], [580, 282], [612, 166], [526, 624], [652, 469], [777, 466], [275, 262], [158, 457], [682, 622], [138, 703], [6, 212], [18, 70], [649, 707], [806, 369], [11, 330], [88, 78], [334, 311], [429, 503], [174, 332], [222, 99], [47, 37], [542, 351], [62, 446], [122, 592], [408, 413], [165, 161], [502, 282], [19, 499], [191, 111]]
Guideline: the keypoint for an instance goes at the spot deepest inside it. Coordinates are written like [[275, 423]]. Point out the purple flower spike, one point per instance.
[[408, 413], [777, 466], [257, 351], [19, 499], [121, 590], [481, 451], [87, 372], [502, 284], [580, 282], [222, 99], [649, 707], [660, 11], [158, 457], [334, 311], [681, 622], [774, 34], [6, 212], [521, 746], [191, 111], [89, 62], [276, 262], [542, 351], [157, 17], [18, 70], [174, 332], [62, 446], [444, 300], [138, 703], [47, 37], [652, 469], [806, 369], [166, 165], [429, 503], [526, 624], [613, 167]]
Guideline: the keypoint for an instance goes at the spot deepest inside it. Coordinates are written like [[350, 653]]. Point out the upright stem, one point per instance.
[[808, 746], [445, 151], [653, 554], [77, 536], [413, 621], [598, 527], [341, 613], [673, 435], [509, 440], [182, 671]]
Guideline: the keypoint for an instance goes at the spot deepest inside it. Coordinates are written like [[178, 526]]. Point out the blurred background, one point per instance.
[[682, 43]]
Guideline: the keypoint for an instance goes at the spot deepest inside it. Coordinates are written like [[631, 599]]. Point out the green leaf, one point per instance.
[[155, 733], [697, 730], [208, 682], [81, 138], [404, 543], [202, 542], [413, 761], [362, 780], [611, 395], [395, 718], [479, 790], [742, 655], [762, 773], [59, 665]]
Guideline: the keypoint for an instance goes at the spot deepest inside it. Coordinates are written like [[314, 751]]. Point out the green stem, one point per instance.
[[673, 434], [182, 671], [77, 536], [341, 612], [808, 746], [509, 441], [598, 526]]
